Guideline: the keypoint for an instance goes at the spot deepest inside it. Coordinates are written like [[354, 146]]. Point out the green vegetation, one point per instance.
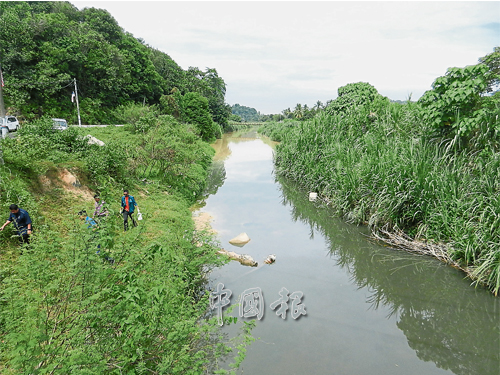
[[277, 131], [429, 168], [195, 108], [303, 112], [246, 114], [354, 97], [65, 307], [458, 108], [236, 126], [300, 113], [45, 45]]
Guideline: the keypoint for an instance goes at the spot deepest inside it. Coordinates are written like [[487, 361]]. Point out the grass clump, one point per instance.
[[277, 130]]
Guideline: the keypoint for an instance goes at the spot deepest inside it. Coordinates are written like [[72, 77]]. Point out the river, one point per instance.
[[369, 309]]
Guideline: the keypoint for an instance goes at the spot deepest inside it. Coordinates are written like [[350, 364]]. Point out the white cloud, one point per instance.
[[273, 55]]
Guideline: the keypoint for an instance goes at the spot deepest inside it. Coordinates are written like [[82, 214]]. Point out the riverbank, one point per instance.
[[384, 172], [101, 299]]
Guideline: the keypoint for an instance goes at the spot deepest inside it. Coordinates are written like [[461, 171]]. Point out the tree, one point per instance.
[[170, 72], [458, 106], [172, 104], [235, 118], [287, 113], [196, 111], [297, 112], [212, 87], [102, 22], [246, 113], [492, 61], [45, 45], [352, 96]]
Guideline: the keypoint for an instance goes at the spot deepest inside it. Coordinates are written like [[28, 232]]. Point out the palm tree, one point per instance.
[[297, 112], [287, 113]]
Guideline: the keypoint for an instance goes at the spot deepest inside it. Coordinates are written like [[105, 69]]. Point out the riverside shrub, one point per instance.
[[197, 112], [460, 109], [174, 155]]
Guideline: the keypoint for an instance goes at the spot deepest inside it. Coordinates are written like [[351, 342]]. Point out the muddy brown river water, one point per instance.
[[368, 309]]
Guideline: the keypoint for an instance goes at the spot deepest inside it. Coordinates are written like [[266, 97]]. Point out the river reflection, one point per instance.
[[444, 320], [370, 309]]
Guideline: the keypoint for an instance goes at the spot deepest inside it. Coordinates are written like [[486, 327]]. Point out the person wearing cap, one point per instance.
[[22, 223], [128, 206]]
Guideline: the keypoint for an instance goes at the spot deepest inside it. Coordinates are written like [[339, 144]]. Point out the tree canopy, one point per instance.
[[352, 96], [45, 45], [462, 104], [247, 114]]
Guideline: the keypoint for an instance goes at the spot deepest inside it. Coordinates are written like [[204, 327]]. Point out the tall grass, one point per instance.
[[382, 171], [276, 130], [235, 126]]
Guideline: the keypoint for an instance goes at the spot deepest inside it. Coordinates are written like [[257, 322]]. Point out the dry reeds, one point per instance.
[[401, 240]]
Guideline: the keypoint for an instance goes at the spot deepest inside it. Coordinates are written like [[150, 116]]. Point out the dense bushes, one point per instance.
[[173, 154], [278, 130], [459, 110], [353, 96], [38, 143], [195, 111]]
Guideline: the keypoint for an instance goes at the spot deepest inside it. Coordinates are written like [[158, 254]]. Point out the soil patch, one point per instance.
[[202, 221], [64, 179]]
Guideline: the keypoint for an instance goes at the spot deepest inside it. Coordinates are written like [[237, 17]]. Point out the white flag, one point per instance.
[[73, 97]]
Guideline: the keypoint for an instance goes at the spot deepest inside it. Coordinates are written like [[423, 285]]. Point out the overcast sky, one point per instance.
[[273, 55]]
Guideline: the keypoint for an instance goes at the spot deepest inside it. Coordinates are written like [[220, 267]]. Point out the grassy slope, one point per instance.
[[167, 220]]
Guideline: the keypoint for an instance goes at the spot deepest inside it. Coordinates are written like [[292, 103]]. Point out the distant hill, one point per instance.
[[247, 114]]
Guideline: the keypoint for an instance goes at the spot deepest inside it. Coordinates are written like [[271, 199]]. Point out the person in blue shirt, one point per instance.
[[22, 223], [128, 205]]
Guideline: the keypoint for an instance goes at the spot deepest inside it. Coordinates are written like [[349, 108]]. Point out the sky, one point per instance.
[[275, 54]]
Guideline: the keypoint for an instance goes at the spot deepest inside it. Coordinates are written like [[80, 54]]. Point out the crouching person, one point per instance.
[[22, 223]]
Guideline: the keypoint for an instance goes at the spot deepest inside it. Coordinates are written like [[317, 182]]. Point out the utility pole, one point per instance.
[[2, 106], [2, 111], [77, 105]]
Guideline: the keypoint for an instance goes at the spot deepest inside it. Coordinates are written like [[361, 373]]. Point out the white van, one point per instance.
[[10, 122], [60, 124]]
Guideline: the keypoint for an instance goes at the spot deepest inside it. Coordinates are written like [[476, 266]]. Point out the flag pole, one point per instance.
[[77, 105]]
